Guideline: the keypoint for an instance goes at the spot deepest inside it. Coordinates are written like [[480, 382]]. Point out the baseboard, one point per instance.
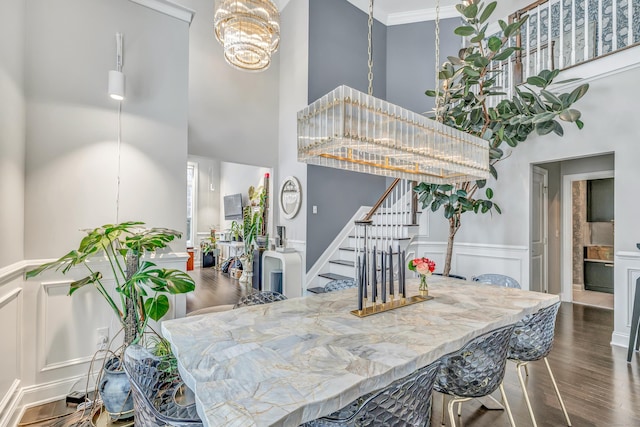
[[620, 340], [27, 397]]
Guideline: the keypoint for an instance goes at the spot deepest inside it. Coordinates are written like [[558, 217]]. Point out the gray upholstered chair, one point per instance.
[[406, 402], [532, 340], [338, 285], [476, 370], [156, 392], [257, 298], [498, 280]]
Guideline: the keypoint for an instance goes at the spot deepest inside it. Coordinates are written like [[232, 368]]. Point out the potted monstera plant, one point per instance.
[[141, 290]]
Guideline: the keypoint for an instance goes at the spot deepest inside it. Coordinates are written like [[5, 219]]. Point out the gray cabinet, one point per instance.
[[598, 276], [600, 196]]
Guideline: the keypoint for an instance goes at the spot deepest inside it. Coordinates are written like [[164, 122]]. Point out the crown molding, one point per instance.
[[407, 17], [421, 15], [168, 8]]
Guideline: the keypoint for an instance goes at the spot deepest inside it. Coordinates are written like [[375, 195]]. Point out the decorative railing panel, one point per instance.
[[564, 33]]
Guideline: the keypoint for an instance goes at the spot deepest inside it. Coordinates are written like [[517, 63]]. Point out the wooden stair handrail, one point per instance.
[[381, 200], [394, 184]]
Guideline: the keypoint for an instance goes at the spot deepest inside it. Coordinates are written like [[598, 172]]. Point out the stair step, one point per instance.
[[390, 238], [350, 249], [394, 225], [396, 213], [333, 276], [342, 262]]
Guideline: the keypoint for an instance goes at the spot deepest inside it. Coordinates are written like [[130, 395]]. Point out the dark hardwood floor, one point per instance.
[[598, 386], [214, 288]]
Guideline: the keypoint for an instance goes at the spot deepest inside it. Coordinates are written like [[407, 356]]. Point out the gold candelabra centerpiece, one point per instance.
[[384, 295]]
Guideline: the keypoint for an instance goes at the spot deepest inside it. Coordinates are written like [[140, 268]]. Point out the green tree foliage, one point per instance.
[[467, 83]]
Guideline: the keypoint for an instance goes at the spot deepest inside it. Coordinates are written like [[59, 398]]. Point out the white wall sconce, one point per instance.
[[117, 77]]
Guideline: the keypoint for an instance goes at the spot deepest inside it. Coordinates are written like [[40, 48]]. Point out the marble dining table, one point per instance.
[[292, 361]]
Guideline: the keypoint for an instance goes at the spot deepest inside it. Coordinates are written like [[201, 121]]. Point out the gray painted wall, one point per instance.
[[403, 69], [12, 132], [72, 124], [233, 114], [338, 49], [338, 55], [410, 61]]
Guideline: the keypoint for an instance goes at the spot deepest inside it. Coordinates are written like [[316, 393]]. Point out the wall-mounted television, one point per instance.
[[233, 206]]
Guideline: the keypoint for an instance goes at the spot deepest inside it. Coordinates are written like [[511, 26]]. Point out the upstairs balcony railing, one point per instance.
[[564, 33]]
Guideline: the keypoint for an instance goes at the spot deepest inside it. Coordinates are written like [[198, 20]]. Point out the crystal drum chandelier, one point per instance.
[[348, 129], [249, 31]]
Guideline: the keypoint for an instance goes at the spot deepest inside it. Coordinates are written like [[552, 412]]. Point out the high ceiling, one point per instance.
[[393, 12], [396, 12]]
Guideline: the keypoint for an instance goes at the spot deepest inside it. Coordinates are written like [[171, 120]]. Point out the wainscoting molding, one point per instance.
[[472, 259], [11, 314], [55, 335], [627, 272]]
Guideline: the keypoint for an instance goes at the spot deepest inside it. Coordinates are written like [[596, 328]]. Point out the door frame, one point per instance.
[[566, 267], [545, 219]]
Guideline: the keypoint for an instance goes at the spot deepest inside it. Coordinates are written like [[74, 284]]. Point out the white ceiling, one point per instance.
[[396, 12]]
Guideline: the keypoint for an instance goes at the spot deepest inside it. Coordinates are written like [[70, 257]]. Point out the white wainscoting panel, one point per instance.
[[471, 259], [11, 333], [48, 338], [627, 272], [67, 331], [10, 337]]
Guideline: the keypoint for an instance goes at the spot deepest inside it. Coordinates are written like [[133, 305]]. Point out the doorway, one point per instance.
[[555, 258], [588, 218]]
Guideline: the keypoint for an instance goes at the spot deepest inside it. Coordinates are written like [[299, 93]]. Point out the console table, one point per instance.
[[231, 246], [292, 361]]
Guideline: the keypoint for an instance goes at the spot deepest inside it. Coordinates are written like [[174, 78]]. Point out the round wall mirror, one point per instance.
[[290, 197]]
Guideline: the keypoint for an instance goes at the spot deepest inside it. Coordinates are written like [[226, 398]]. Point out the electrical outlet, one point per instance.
[[102, 339]]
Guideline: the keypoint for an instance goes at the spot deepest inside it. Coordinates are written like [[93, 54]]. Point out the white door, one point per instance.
[[539, 202]]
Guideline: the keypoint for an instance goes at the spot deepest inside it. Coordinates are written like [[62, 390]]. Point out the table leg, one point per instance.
[[634, 333]]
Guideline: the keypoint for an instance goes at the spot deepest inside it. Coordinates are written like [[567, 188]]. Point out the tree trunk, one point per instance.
[[454, 224], [130, 320]]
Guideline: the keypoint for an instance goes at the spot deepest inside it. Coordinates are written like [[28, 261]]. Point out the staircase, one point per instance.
[[393, 223]]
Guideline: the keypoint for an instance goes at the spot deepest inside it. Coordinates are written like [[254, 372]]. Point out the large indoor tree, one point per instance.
[[468, 89]]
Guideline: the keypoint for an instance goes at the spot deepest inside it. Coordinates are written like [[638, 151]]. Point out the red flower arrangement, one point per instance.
[[422, 266]]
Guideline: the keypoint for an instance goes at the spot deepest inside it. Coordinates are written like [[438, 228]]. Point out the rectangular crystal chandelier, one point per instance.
[[348, 129]]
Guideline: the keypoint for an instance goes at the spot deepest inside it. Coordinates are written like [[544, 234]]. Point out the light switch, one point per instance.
[[315, 209]]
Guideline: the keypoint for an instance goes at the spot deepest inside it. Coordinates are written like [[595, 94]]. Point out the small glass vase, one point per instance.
[[424, 288]]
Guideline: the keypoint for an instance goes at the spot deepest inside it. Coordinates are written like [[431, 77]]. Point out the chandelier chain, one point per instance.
[[370, 50], [437, 60]]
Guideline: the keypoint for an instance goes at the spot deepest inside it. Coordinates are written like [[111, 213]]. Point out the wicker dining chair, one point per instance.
[[476, 370], [498, 280], [406, 402], [154, 392], [338, 285], [532, 340], [257, 298]]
